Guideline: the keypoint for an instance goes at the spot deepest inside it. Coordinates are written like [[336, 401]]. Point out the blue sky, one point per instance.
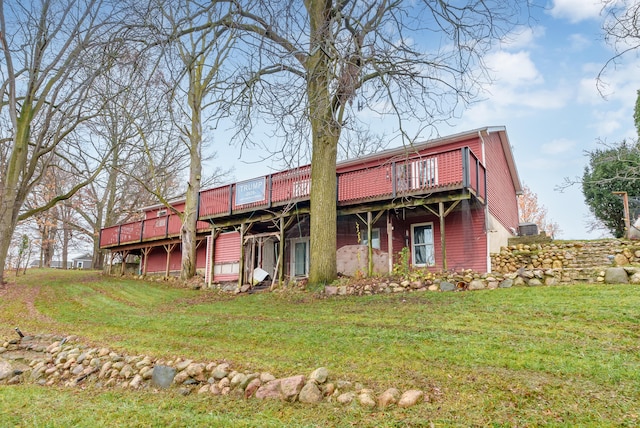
[[545, 94]]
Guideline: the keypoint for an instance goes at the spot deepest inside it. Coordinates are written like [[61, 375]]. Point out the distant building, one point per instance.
[[84, 261]]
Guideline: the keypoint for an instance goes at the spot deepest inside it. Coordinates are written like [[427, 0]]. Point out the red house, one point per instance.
[[450, 201]]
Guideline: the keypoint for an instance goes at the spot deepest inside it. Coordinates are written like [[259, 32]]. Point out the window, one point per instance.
[[162, 213], [300, 257], [422, 252], [375, 239]]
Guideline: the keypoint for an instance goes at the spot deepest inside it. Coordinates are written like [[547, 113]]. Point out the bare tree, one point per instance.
[[197, 81], [134, 127], [312, 66], [48, 62], [621, 31]]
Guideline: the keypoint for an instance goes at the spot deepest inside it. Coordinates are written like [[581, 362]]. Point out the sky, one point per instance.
[[545, 93]]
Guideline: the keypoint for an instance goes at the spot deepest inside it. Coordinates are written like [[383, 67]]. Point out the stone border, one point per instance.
[[53, 360]]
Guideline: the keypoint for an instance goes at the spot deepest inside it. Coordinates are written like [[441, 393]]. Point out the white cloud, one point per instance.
[[576, 10], [513, 69], [555, 147], [579, 42], [522, 37]]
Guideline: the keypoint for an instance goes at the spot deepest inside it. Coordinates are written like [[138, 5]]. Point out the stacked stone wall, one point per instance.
[[568, 261]]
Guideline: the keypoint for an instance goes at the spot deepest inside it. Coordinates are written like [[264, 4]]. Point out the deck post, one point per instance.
[[390, 240], [168, 248], [212, 255], [124, 263], [241, 261], [443, 245], [369, 244], [281, 253], [145, 254]]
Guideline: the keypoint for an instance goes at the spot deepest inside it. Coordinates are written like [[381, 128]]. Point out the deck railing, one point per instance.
[[415, 175]]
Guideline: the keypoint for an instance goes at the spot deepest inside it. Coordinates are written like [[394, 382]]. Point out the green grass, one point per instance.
[[554, 356]]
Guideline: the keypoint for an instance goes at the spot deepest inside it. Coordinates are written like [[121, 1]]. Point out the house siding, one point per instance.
[[465, 237], [227, 252], [157, 261], [501, 193]]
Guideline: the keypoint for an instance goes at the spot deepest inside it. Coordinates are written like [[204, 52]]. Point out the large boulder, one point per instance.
[[310, 393], [616, 275], [162, 376], [290, 387]]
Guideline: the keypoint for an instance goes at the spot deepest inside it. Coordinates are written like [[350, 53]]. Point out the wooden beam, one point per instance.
[[215, 232], [168, 248], [369, 244], [405, 203], [443, 244], [124, 264], [283, 227], [390, 240], [145, 261], [241, 261]]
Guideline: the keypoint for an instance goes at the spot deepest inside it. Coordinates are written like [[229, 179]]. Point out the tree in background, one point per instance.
[[51, 54], [621, 31], [530, 211], [614, 168], [197, 79], [611, 169]]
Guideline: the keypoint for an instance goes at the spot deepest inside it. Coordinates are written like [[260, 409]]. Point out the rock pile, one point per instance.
[[52, 360]]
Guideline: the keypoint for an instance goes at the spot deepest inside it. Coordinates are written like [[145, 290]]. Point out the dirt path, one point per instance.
[[26, 295]]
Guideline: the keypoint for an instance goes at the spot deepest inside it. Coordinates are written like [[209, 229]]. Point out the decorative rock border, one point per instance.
[[52, 360]]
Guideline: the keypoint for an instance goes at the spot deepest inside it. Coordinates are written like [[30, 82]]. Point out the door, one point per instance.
[[300, 257]]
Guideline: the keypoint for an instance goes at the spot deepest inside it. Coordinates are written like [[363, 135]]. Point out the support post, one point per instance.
[[212, 256], [443, 245], [281, 253], [241, 261], [124, 263], [390, 240], [627, 220], [168, 248], [369, 244], [145, 262]]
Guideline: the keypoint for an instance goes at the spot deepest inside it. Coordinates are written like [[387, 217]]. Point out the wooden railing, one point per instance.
[[150, 229], [455, 169]]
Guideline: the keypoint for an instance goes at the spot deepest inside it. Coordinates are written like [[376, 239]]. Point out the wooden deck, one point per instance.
[[377, 182]]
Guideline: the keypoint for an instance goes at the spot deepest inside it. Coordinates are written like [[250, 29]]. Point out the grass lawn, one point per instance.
[[530, 356]]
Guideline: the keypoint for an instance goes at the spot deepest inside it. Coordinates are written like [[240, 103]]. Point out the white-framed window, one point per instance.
[[162, 213], [422, 249], [299, 256], [375, 239]]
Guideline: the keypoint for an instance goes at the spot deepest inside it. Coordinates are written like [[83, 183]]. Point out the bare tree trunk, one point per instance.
[[325, 135], [190, 214]]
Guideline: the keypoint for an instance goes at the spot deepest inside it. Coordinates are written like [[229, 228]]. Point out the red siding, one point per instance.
[[201, 255], [157, 262], [227, 250], [465, 237], [501, 197]]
